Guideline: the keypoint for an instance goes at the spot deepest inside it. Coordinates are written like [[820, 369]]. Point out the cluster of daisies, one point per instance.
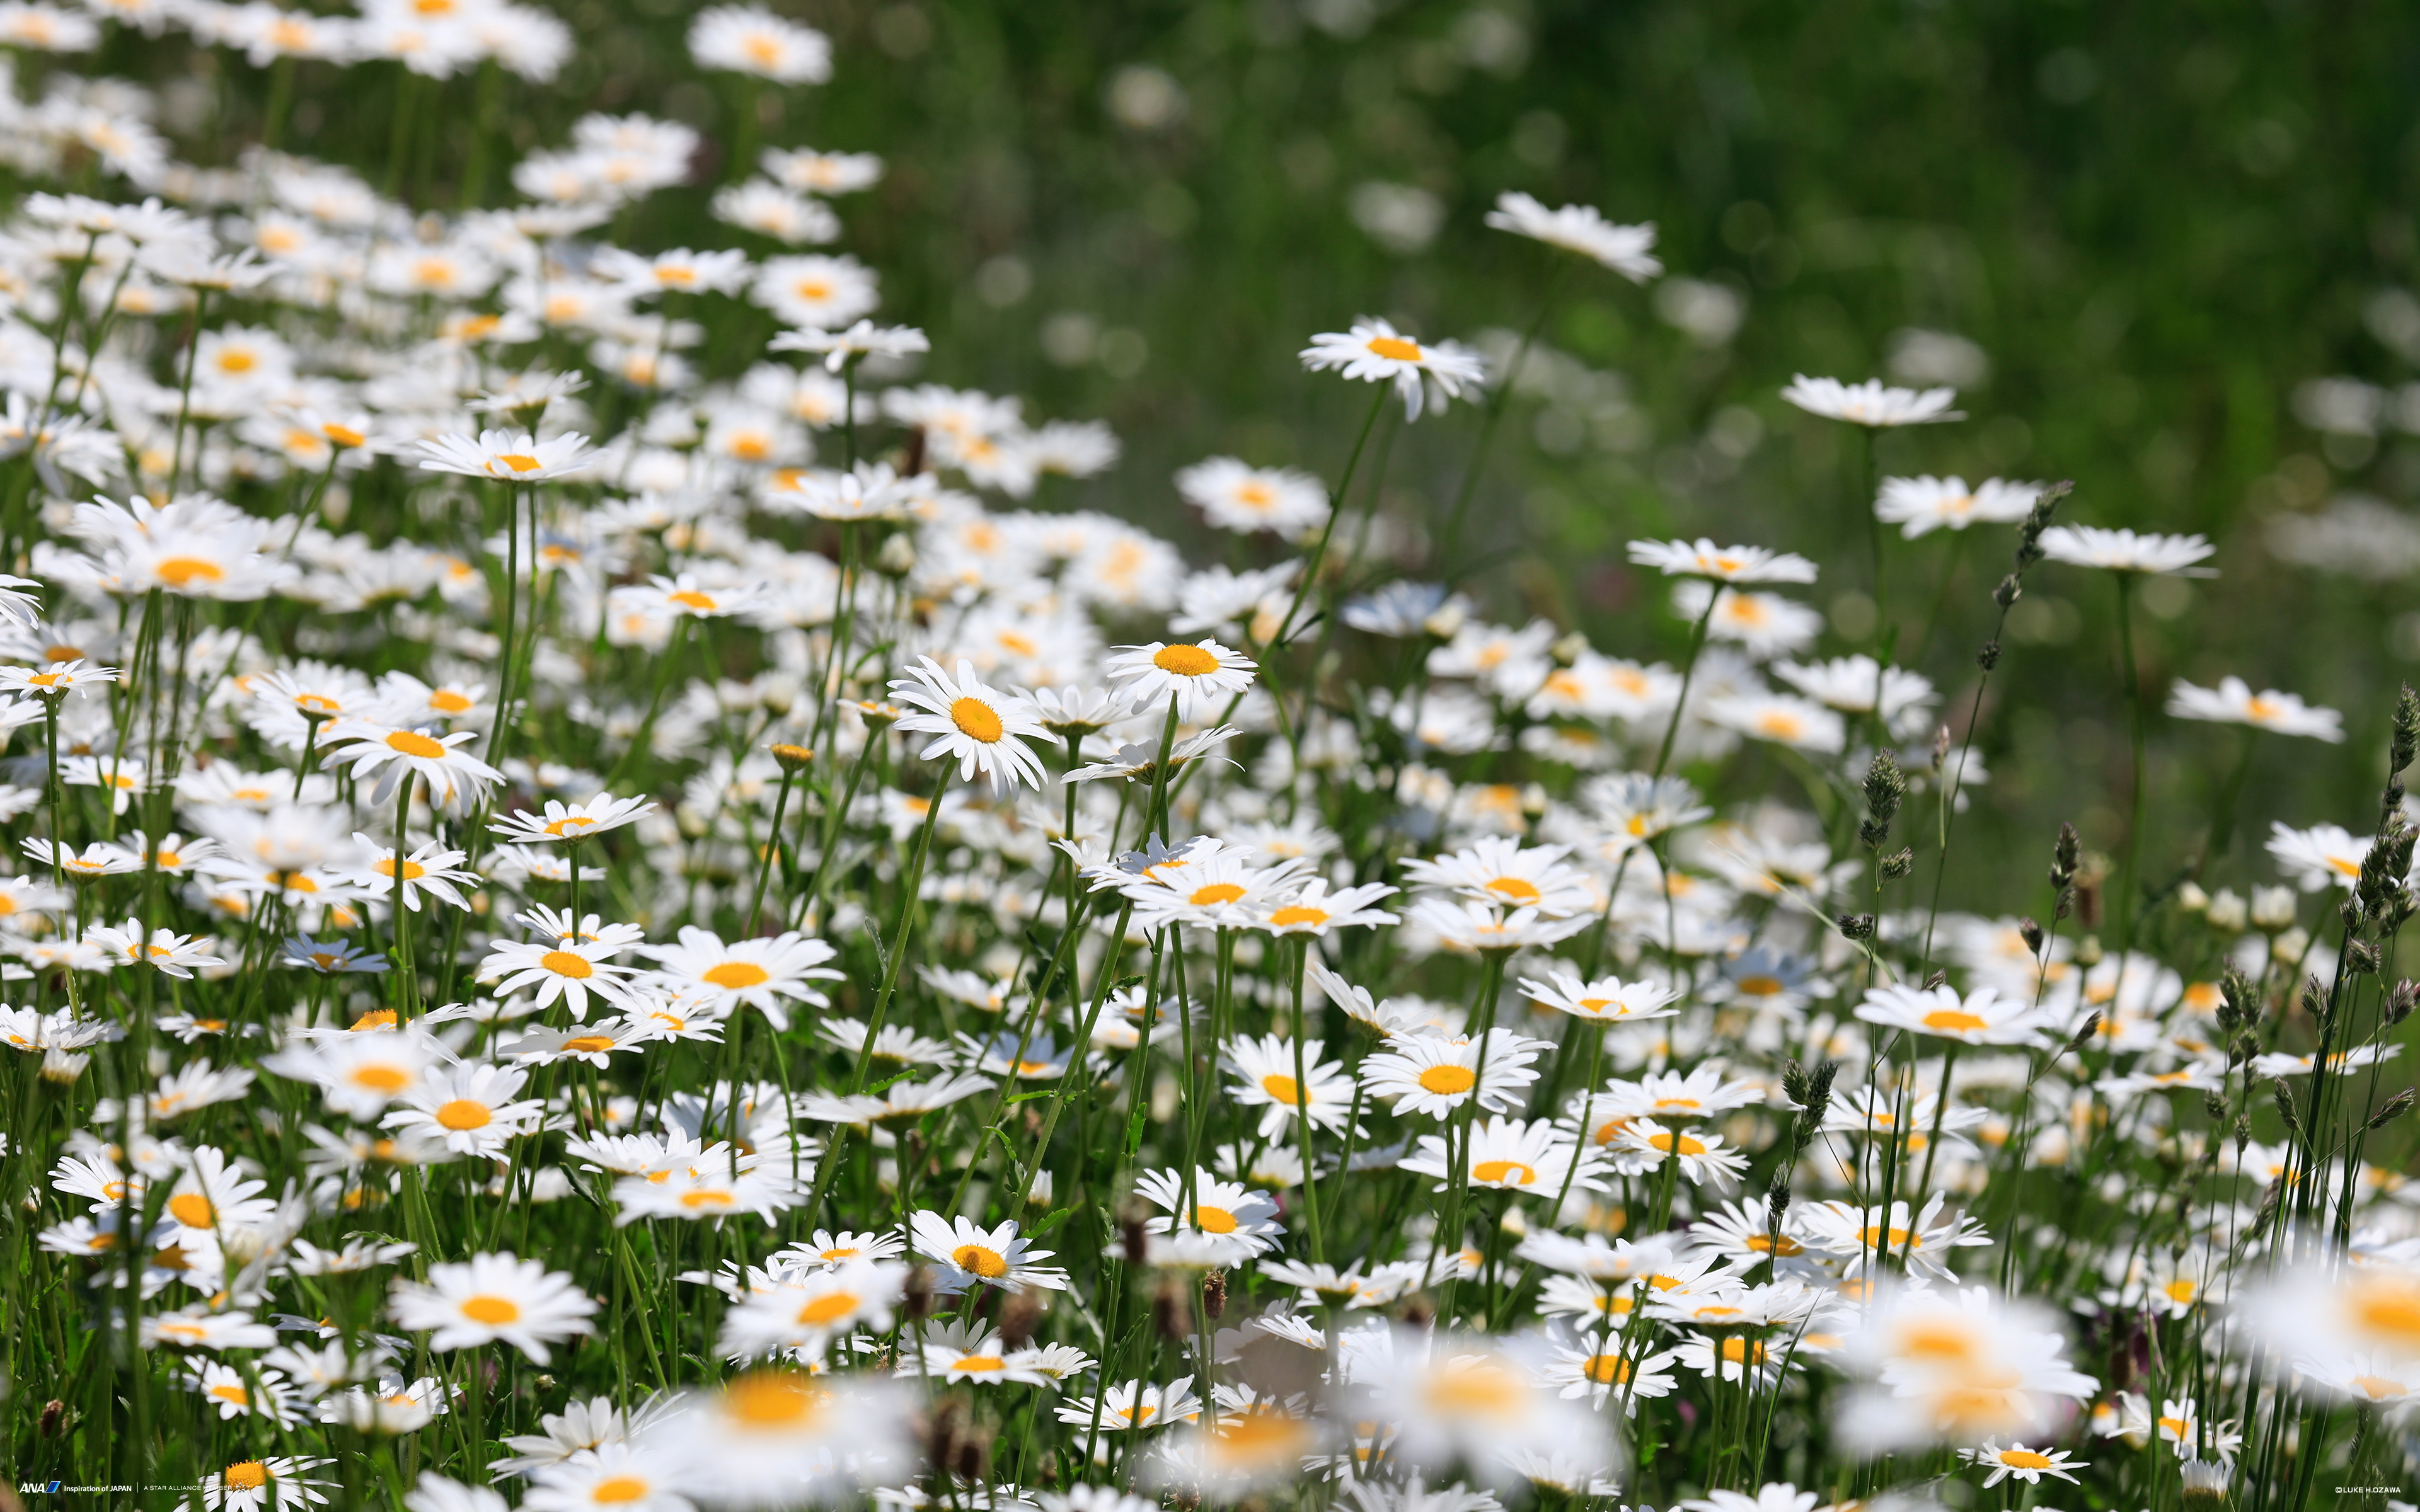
[[607, 918]]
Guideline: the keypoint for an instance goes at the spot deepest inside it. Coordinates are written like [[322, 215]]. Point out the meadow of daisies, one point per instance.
[[589, 935]]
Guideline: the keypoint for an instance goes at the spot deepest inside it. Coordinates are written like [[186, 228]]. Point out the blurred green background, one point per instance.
[[2147, 226]]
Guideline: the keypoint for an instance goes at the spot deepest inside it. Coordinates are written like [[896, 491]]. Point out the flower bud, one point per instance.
[[2228, 913], [2272, 909]]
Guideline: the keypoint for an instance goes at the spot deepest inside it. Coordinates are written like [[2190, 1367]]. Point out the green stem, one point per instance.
[[911, 883], [2131, 679]]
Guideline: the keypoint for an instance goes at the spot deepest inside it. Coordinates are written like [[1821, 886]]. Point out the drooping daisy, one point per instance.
[[983, 728], [1923, 1240], [1872, 403], [1979, 1017], [1859, 684], [969, 1256], [2155, 556], [2319, 855], [1506, 873], [1761, 624], [570, 966], [515, 457], [276, 1483], [1194, 674], [1265, 1069], [1628, 250], [428, 868], [1733, 564], [766, 974], [809, 1310], [1234, 496], [470, 1110], [494, 1297], [1529, 1159], [1435, 1076], [571, 822], [1375, 351], [611, 1478], [456, 779], [1800, 723], [1314, 910], [2028, 1465], [2234, 702], [1606, 1000], [1241, 1222], [1644, 1145], [1920, 506], [1129, 1406]]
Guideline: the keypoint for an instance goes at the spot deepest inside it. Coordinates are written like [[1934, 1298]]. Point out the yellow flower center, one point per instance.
[[829, 1308], [387, 1080], [2391, 1306], [1606, 1369], [445, 700], [1449, 1080], [1475, 1390], [193, 1209], [1283, 1089], [178, 571], [2025, 1459], [412, 743], [1298, 914], [976, 1259], [520, 461], [587, 1044], [246, 1476], [1217, 892], [1504, 1173], [691, 598], [977, 719], [1185, 660], [567, 963], [491, 1309], [231, 1395], [1956, 1021], [342, 434], [980, 1364], [463, 1114], [772, 1400], [1520, 889], [1395, 349], [1214, 1220], [735, 975], [619, 1488], [1675, 1143], [377, 1018]]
